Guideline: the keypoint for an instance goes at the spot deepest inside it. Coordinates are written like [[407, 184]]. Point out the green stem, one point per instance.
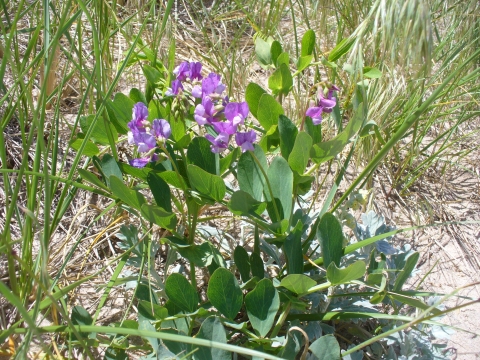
[[281, 320]]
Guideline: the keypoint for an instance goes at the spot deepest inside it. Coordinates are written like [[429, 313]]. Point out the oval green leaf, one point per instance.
[[181, 292], [224, 293]]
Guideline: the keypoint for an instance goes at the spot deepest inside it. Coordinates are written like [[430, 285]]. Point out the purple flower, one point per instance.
[[236, 112], [140, 162], [142, 139], [315, 113], [197, 92], [182, 71], [331, 90], [195, 71], [139, 115], [219, 143], [161, 129], [205, 113], [246, 140], [323, 105], [326, 103], [224, 127], [176, 86], [212, 84]]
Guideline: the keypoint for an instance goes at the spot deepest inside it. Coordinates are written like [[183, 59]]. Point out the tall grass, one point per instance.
[[423, 105]]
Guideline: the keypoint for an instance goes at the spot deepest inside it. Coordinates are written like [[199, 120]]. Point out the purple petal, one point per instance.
[[314, 112], [139, 113], [176, 86], [199, 115], [212, 84], [246, 140], [224, 127], [219, 143], [327, 103], [161, 129], [140, 162], [236, 112], [195, 71], [197, 91], [144, 141], [182, 71]]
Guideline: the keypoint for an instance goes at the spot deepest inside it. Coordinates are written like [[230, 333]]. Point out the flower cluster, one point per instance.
[[322, 105], [146, 135], [213, 109]]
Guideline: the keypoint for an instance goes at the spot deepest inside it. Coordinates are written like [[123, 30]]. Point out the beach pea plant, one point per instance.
[[279, 283]]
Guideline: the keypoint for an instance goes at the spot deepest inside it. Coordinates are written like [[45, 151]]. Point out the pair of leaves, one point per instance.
[[136, 200], [246, 264], [250, 175]]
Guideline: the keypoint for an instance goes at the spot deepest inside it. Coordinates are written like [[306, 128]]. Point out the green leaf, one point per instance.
[[249, 174], [280, 177], [371, 72], [178, 129], [303, 62], [330, 235], [407, 270], [268, 111], [256, 263], [262, 49], [242, 203], [253, 93], [139, 173], [341, 49], [110, 168], [80, 316], [212, 329], [156, 110], [342, 276], [315, 131], [174, 179], [308, 43], [283, 58], [137, 96], [200, 154], [206, 183], [298, 283], [326, 348], [160, 191], [201, 255], [113, 353], [99, 132], [157, 215], [327, 150], [151, 74], [181, 292], [91, 178], [288, 133], [262, 305], [242, 261], [224, 293], [229, 160], [299, 156], [281, 81], [151, 311], [293, 250], [275, 51], [89, 150], [120, 112], [128, 196]]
